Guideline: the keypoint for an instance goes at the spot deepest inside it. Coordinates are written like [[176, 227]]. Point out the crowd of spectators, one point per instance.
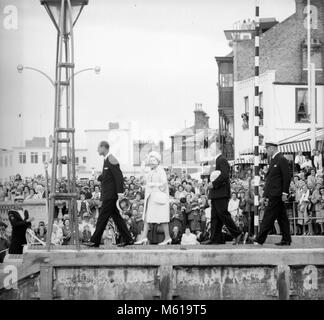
[[307, 192], [189, 205]]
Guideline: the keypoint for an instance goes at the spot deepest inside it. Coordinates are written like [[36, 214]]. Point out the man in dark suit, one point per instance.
[[219, 194], [176, 235], [112, 188], [20, 222], [276, 190]]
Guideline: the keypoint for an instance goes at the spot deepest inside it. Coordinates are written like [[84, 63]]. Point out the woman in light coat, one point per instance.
[[156, 202]]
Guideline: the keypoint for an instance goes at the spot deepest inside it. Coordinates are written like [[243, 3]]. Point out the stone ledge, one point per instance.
[[300, 241]]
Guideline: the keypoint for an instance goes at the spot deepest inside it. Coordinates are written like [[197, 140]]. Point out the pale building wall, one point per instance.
[[121, 146], [279, 107]]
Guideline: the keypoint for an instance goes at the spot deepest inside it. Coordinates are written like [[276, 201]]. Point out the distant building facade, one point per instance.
[[188, 146], [29, 160], [120, 138]]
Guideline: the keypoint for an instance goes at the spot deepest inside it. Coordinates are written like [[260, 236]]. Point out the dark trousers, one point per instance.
[[251, 223], [219, 217], [109, 209], [275, 210]]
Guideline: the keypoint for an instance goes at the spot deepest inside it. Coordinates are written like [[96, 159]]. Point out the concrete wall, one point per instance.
[[170, 274], [187, 283]]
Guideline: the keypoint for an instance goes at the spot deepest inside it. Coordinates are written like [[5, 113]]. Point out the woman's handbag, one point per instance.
[[160, 197]]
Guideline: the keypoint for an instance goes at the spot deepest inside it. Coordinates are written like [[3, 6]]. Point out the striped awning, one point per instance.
[[297, 146], [250, 151], [246, 161]]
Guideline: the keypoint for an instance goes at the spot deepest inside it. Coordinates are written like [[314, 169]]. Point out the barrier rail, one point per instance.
[[301, 223]]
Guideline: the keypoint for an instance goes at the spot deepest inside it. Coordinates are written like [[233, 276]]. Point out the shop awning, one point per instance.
[[300, 142], [293, 147], [250, 151], [246, 161]]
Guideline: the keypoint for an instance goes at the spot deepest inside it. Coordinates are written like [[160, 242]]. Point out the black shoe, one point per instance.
[[207, 242], [282, 243], [219, 242], [124, 243], [91, 244]]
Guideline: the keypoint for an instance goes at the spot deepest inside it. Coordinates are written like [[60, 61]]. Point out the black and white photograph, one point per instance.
[[162, 154]]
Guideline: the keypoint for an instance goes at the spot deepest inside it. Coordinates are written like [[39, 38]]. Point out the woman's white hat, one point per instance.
[[155, 155]]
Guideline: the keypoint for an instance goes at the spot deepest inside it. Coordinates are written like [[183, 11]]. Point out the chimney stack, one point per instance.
[[201, 118], [300, 6]]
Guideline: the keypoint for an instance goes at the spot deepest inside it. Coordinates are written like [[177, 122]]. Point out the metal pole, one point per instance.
[[310, 76], [46, 188], [256, 140], [313, 105], [56, 125], [73, 177]]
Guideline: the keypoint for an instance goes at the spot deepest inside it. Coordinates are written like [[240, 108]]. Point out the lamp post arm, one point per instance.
[[80, 71], [43, 73]]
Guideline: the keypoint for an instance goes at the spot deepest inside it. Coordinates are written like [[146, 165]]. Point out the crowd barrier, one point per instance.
[[301, 223]]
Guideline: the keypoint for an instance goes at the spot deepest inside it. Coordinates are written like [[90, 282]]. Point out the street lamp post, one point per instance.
[[64, 14], [21, 68]]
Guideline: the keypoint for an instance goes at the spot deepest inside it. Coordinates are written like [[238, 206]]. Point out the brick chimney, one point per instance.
[[300, 6], [201, 118]]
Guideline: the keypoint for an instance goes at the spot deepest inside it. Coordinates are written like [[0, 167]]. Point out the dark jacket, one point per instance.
[[221, 186], [18, 234], [176, 238], [112, 181], [278, 178]]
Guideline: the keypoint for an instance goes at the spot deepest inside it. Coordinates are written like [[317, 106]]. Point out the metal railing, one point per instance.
[[300, 223]]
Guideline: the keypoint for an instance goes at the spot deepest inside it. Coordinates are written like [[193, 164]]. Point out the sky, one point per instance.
[[157, 59]]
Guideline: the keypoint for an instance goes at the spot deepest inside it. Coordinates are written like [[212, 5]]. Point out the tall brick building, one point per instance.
[[283, 80]]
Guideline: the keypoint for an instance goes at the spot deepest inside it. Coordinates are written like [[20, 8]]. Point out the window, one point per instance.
[[34, 157], [261, 108], [6, 161], [245, 115], [226, 80], [22, 157], [84, 160], [1, 161], [76, 161], [10, 160], [45, 157], [246, 104], [302, 109]]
